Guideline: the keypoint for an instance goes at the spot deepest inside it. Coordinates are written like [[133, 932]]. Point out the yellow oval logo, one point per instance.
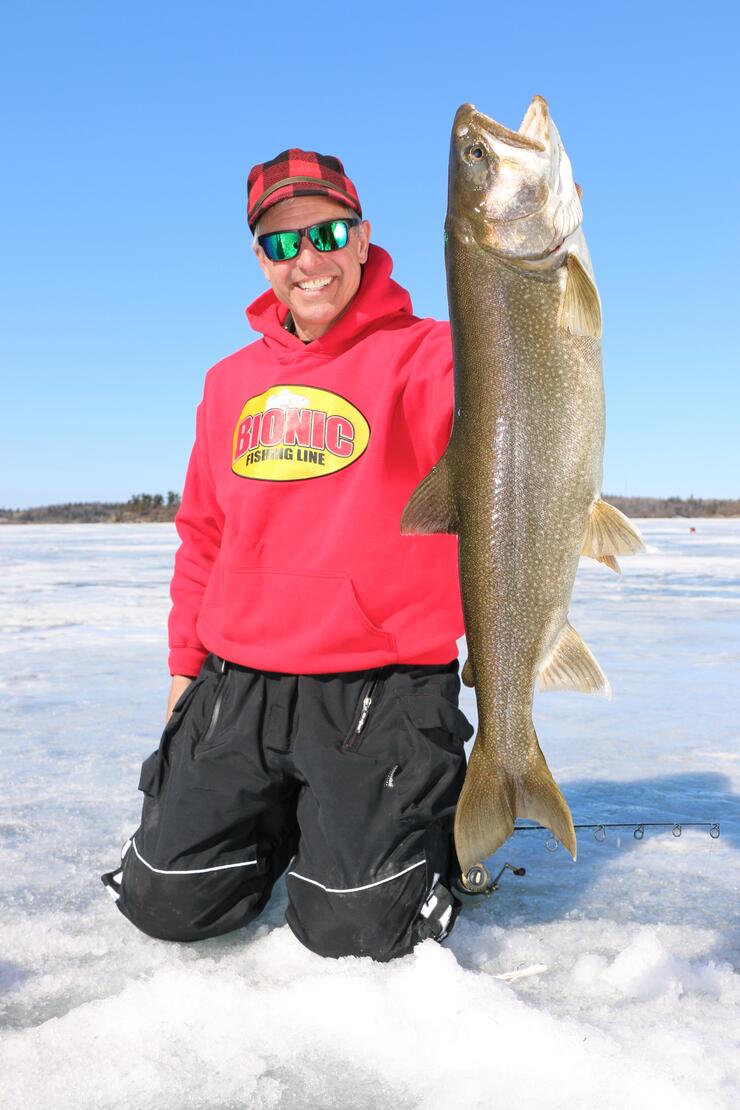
[[295, 431]]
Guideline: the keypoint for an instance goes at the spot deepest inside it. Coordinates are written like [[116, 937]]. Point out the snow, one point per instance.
[[637, 1005]]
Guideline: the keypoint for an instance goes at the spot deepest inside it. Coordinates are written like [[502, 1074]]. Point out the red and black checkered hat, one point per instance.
[[297, 173]]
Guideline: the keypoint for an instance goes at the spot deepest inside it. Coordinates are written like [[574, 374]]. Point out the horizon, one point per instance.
[[165, 502], [128, 260]]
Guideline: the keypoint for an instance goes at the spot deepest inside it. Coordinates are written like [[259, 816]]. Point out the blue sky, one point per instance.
[[128, 134]]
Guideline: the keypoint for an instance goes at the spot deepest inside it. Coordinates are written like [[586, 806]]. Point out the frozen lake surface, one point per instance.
[[638, 1005]]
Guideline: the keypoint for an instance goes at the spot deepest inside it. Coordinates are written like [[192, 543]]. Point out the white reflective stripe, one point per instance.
[[445, 919], [429, 905], [125, 849], [115, 894], [193, 870], [353, 889]]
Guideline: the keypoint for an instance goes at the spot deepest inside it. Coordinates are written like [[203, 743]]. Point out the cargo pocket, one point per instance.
[[150, 778], [439, 719], [184, 700], [431, 776]]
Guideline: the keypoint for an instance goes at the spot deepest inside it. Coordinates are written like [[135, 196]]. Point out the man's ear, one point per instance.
[[363, 233], [261, 258]]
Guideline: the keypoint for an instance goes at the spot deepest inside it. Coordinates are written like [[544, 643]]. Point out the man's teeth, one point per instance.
[[316, 283]]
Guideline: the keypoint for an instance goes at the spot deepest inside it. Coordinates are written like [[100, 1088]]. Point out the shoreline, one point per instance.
[[644, 508]]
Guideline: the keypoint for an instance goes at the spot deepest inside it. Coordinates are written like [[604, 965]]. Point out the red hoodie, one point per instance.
[[292, 557]]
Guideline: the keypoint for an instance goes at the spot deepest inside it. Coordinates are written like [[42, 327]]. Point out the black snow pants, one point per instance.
[[349, 780]]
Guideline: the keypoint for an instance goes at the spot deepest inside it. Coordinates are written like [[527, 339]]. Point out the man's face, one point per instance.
[[316, 287]]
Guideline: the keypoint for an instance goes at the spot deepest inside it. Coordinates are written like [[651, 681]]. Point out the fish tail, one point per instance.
[[493, 798], [486, 810], [540, 800]]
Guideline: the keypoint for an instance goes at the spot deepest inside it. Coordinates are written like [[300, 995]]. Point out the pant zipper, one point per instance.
[[216, 711], [355, 736]]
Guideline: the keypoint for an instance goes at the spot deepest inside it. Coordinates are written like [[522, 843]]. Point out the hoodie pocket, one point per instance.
[[301, 617]]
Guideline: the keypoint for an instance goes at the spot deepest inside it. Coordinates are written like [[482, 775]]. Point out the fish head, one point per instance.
[[511, 192]]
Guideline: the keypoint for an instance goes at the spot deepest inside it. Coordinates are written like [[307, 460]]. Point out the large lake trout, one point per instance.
[[521, 477]]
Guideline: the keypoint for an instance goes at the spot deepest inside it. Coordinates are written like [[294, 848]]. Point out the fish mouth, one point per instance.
[[470, 125], [468, 116]]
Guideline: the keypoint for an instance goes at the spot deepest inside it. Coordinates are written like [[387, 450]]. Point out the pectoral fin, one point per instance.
[[571, 666], [431, 507], [580, 307], [467, 676], [610, 533]]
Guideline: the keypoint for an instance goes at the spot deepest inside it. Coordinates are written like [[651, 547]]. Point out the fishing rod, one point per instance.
[[478, 879], [638, 829]]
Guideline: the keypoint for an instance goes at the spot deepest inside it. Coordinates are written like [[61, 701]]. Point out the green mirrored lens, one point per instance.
[[281, 245], [330, 236]]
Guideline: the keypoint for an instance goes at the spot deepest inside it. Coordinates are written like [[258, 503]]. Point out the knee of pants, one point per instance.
[[185, 905], [382, 920]]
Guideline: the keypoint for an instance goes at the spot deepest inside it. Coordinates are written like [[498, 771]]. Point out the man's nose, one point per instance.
[[308, 257]]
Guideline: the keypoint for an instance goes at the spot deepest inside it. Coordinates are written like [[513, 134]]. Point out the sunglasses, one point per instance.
[[332, 235]]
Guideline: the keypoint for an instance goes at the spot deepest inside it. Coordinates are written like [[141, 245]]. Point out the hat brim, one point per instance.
[[290, 191]]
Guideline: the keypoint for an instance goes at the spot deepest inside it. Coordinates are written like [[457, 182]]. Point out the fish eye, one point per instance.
[[475, 153]]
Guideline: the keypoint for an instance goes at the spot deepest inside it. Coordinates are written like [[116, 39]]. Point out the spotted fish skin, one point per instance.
[[520, 479], [526, 455]]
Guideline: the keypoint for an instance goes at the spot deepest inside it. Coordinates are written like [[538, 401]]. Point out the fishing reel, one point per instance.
[[478, 880]]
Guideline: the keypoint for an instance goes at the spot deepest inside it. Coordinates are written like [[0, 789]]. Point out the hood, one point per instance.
[[378, 298]]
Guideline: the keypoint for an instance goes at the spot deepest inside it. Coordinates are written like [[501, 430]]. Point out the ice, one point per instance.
[[638, 1005]]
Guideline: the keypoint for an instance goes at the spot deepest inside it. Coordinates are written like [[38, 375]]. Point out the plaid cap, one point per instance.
[[297, 173]]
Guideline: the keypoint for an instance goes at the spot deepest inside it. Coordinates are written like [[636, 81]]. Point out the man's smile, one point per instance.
[[311, 285]]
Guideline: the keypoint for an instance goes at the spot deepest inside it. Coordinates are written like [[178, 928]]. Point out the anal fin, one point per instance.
[[467, 675], [571, 666]]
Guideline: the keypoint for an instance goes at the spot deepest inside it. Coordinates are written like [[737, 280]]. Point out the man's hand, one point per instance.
[[180, 683]]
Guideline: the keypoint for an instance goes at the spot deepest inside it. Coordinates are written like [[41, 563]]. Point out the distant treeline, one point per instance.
[[148, 507], [141, 508], [675, 506]]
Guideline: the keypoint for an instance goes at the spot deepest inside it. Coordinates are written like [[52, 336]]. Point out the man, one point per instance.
[[313, 721]]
